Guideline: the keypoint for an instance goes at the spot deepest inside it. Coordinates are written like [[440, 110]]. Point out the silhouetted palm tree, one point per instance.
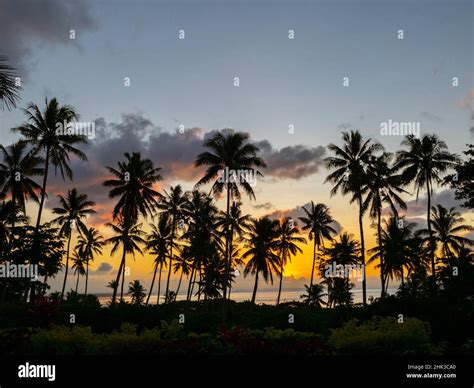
[[41, 131], [9, 88], [15, 172], [133, 184], [382, 187], [137, 292], [172, 204], [158, 243], [349, 165], [314, 295], [318, 222], [230, 157], [90, 242], [447, 224], [78, 264], [74, 207], [287, 238], [129, 237], [261, 245], [423, 164]]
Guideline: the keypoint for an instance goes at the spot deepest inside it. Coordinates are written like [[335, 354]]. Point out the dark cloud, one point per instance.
[[417, 208], [432, 117], [265, 206], [104, 268], [291, 162], [36, 23], [297, 212]]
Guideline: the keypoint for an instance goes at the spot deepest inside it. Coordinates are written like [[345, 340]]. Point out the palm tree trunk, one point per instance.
[[77, 281], [123, 280], [152, 284], [379, 236], [190, 282], [67, 264], [43, 189], [200, 282], [117, 280], [159, 285], [171, 261], [281, 282], [87, 276], [227, 255], [254, 293], [428, 220], [179, 284], [314, 263], [362, 250]]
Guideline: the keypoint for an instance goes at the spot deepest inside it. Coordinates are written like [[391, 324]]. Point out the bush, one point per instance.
[[383, 335]]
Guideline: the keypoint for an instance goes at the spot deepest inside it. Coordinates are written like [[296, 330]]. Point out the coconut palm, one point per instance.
[[9, 88], [40, 131], [314, 295], [132, 183], [130, 237], [183, 266], [172, 205], [137, 292], [260, 242], [230, 161], [287, 238], [158, 244], [349, 164], [78, 264], [423, 164], [15, 172], [74, 208], [382, 187], [90, 243], [317, 221], [447, 225]]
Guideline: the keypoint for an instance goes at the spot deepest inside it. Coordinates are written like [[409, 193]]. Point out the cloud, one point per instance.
[[291, 162], [37, 23], [297, 212], [432, 117], [417, 208], [104, 268], [265, 206]]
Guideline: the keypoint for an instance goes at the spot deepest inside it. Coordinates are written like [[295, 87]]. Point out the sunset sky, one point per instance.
[[283, 82]]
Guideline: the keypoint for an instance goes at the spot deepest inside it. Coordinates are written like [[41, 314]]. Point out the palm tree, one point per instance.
[[182, 265], [78, 262], [89, 243], [137, 292], [230, 153], [74, 207], [129, 237], [133, 183], [8, 86], [286, 245], [382, 186], [318, 221], [424, 163], [314, 295], [172, 204], [261, 246], [158, 243], [15, 172], [345, 251], [395, 245], [349, 165], [40, 131], [447, 224]]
